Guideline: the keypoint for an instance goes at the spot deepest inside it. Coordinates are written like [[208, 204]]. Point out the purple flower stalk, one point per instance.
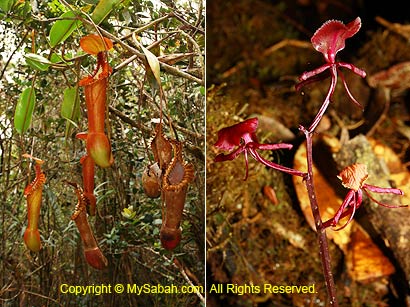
[[243, 136], [353, 177], [329, 39]]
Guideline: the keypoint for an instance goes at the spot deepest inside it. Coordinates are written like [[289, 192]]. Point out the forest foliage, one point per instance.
[[42, 108]]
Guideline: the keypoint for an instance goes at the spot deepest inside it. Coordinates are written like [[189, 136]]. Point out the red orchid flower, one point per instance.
[[329, 39], [243, 136], [353, 177], [95, 90]]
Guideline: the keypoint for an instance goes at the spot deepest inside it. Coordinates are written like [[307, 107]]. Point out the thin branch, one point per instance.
[[181, 269], [128, 120], [170, 69], [147, 26], [138, 125], [12, 54], [43, 296], [198, 50]]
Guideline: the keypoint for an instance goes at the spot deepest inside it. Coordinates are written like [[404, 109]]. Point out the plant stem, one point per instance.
[[321, 231]]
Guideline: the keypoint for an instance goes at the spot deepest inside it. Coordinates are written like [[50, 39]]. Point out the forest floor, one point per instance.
[[255, 53]]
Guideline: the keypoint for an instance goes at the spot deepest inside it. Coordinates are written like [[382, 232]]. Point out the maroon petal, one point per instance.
[[379, 203], [310, 74], [348, 202], [352, 209], [273, 165], [356, 103], [228, 157], [229, 137], [255, 145], [325, 104], [382, 190], [330, 37], [246, 165], [351, 202], [354, 205], [356, 70]]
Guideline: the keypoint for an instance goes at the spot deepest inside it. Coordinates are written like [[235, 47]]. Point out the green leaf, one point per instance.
[[6, 5], [37, 62], [103, 9], [56, 58], [58, 61], [24, 110], [151, 80], [70, 108], [128, 213], [62, 29]]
